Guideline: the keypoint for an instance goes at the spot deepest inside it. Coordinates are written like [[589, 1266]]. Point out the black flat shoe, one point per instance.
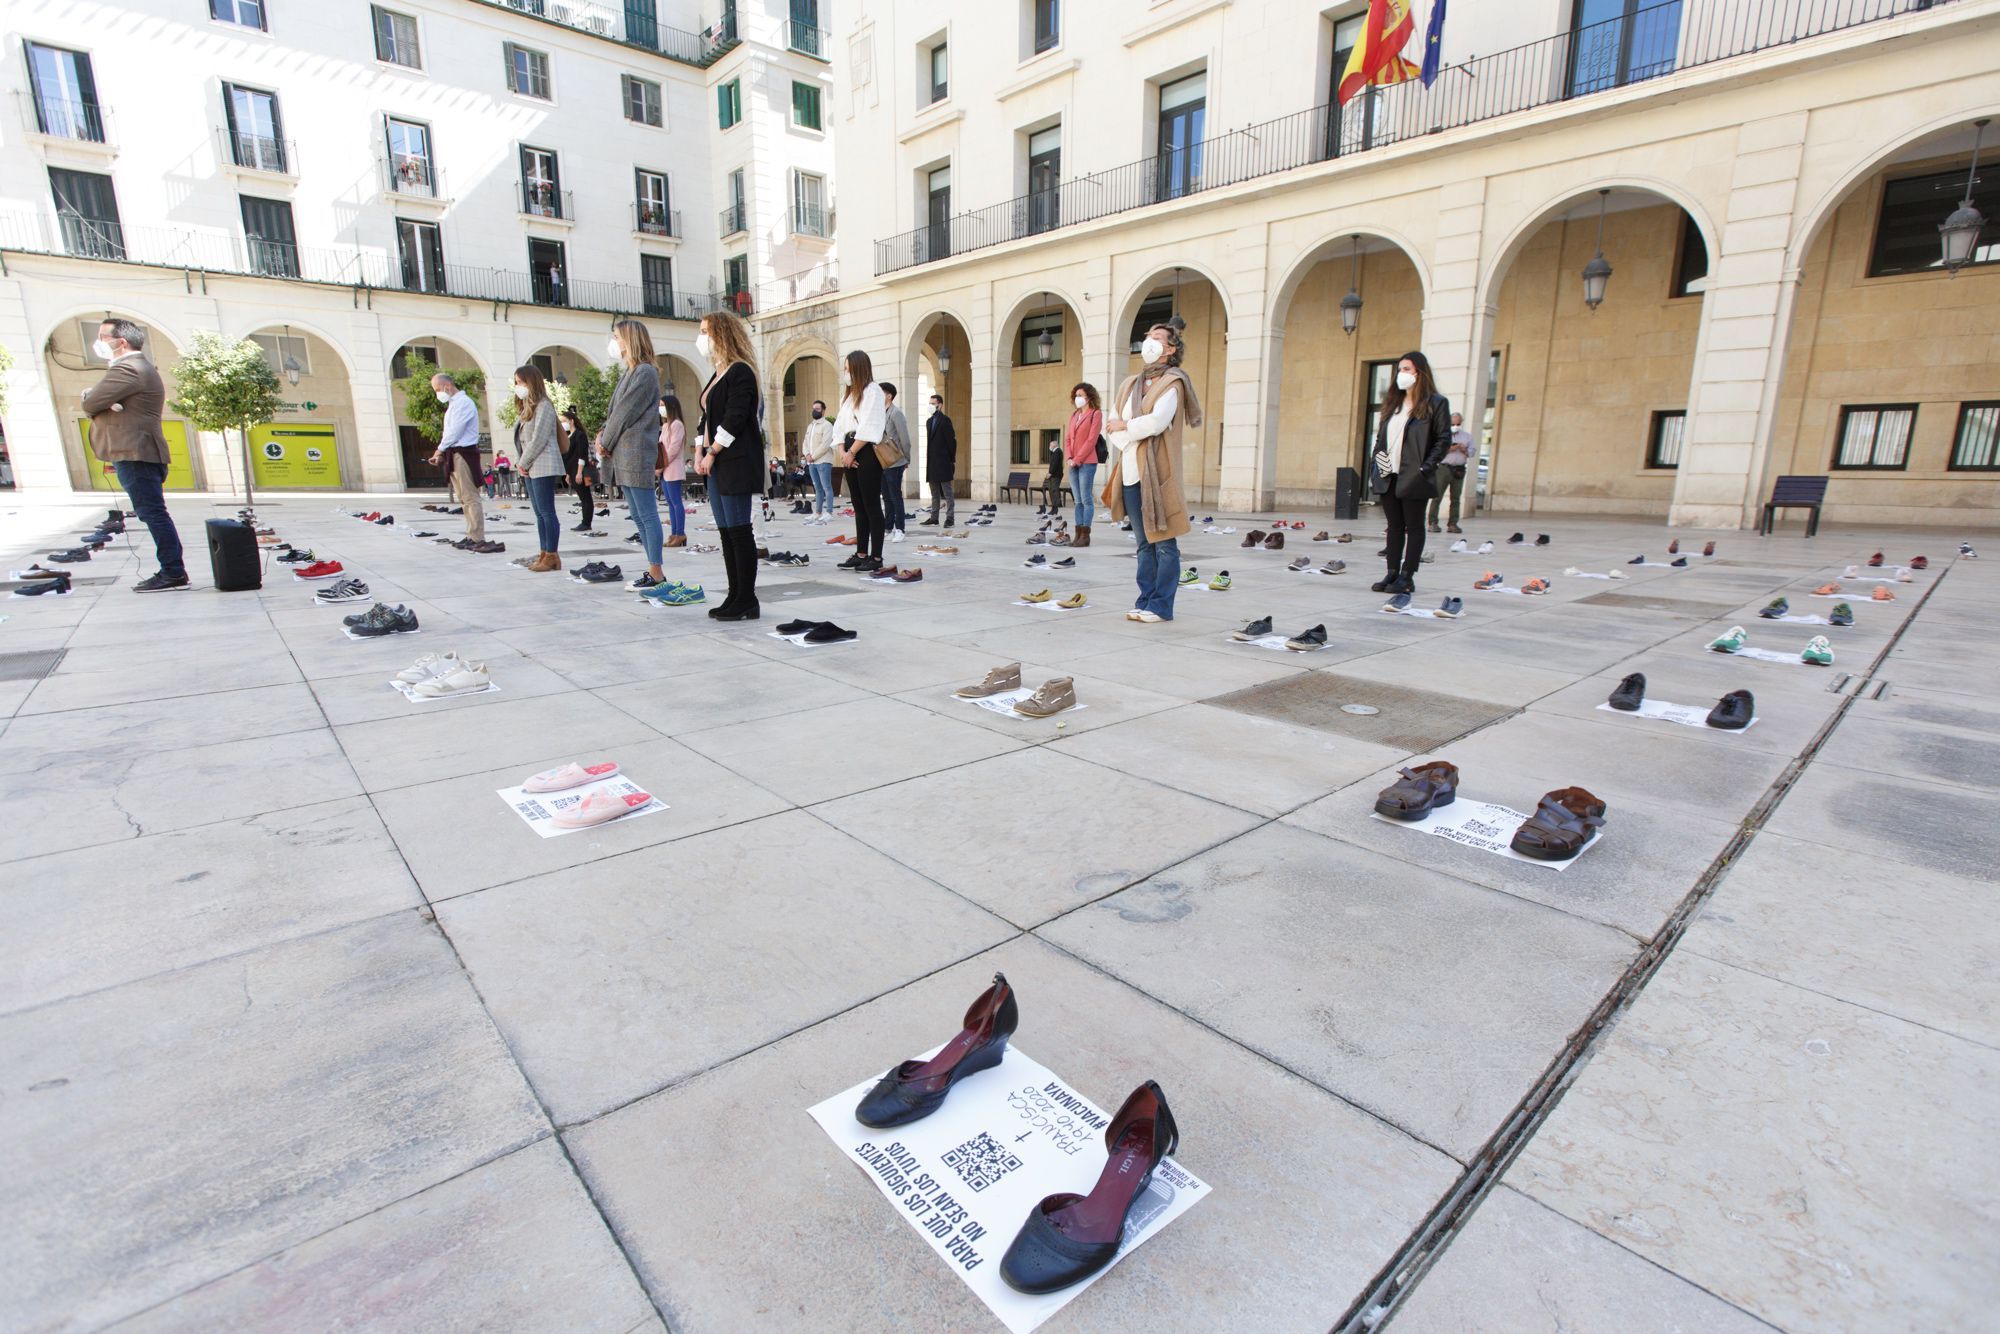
[[1069, 1237], [1630, 694], [915, 1089], [1733, 712]]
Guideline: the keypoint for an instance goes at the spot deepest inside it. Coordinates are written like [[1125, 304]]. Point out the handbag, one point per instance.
[[889, 454], [1103, 450]]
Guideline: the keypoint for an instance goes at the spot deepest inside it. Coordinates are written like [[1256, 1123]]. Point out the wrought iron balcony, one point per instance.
[[733, 219], [1660, 39], [259, 152], [64, 118], [627, 28], [652, 220], [539, 199], [413, 175], [807, 40], [812, 220]]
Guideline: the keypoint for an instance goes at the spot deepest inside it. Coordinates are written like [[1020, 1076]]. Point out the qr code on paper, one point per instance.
[[981, 1161]]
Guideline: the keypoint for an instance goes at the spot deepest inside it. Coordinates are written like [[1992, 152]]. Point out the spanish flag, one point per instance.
[[1377, 58]]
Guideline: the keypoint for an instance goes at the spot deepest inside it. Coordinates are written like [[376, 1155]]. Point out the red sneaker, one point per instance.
[[1875, 561], [1920, 562], [320, 569]]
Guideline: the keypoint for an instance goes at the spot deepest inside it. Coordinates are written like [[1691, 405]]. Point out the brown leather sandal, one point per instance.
[[1422, 789], [1566, 819]]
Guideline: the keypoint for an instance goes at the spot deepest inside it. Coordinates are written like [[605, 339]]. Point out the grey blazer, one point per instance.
[[630, 437]]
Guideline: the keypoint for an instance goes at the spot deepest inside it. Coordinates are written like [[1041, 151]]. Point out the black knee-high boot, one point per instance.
[[740, 556], [726, 538]]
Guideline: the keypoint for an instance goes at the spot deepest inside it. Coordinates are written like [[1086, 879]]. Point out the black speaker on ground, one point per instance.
[[1346, 494], [232, 556]]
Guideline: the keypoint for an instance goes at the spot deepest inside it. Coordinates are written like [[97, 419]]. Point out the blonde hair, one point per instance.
[[636, 340], [731, 337]]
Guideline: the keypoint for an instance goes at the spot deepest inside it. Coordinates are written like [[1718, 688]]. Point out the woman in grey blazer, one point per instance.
[[629, 442]]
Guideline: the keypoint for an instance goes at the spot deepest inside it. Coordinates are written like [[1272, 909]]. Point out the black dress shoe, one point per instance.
[[826, 632], [799, 627], [915, 1089], [1069, 1237], [1630, 694], [1733, 711], [1517, 539]]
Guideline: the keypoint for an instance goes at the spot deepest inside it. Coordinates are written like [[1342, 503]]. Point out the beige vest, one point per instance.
[[1160, 492]]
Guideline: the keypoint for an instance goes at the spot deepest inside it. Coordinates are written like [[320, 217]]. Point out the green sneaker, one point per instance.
[[684, 595], [1190, 575], [1778, 607], [661, 591], [1730, 642], [1818, 652], [1220, 584], [1842, 614]]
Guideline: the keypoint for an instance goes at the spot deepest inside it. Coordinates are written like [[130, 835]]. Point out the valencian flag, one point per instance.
[[1377, 57], [1434, 44]]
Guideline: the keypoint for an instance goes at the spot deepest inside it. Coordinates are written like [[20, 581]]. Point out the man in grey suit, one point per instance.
[[124, 409]]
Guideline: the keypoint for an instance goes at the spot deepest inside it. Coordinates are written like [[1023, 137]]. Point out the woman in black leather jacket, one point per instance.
[[1413, 434]]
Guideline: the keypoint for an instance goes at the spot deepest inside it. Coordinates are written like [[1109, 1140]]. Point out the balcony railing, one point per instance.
[[807, 40], [652, 220], [692, 48], [733, 220], [1659, 39], [221, 253], [410, 174], [539, 199], [821, 280], [811, 220], [259, 152], [61, 118]]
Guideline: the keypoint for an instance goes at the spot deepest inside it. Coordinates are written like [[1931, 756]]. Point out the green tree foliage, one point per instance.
[[590, 394], [558, 395], [420, 400], [226, 386], [6, 365]]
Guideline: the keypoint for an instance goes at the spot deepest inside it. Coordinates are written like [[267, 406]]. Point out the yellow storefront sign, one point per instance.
[[295, 456], [180, 459]]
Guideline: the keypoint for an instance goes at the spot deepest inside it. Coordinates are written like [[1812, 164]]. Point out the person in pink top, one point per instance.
[[1083, 446], [673, 468]]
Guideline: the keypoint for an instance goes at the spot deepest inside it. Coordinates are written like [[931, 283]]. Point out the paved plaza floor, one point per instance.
[[302, 1027]]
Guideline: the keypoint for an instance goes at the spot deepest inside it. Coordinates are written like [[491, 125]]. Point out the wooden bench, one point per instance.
[[1016, 481], [1794, 493]]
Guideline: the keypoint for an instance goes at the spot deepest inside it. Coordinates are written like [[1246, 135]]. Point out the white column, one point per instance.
[[34, 430], [1739, 352], [377, 440], [1248, 449], [1458, 331]]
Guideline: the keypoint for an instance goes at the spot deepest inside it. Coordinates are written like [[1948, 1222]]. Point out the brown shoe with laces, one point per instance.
[[1051, 699]]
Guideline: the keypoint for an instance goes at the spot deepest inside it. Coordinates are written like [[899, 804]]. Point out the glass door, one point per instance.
[[254, 140], [548, 273], [422, 252], [1183, 110], [65, 93], [540, 185], [274, 246], [410, 158], [1616, 42], [1349, 129], [937, 214], [1044, 175]]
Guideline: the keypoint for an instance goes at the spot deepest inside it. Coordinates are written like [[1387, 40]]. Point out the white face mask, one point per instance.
[[663, 413], [1405, 381], [845, 379], [520, 391], [443, 397], [1152, 350], [104, 350], [613, 351], [704, 345], [1082, 402]]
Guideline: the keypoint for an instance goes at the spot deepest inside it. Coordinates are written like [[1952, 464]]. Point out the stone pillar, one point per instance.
[[1458, 330], [1739, 353], [1249, 453], [34, 431], [377, 441], [987, 454]]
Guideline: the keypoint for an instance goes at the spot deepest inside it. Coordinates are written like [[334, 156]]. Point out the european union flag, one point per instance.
[[1434, 44]]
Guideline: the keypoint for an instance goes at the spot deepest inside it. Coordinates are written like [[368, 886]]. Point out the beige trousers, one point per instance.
[[465, 490]]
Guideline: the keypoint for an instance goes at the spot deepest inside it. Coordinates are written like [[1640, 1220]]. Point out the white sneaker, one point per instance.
[[1485, 548], [1149, 617], [428, 666], [467, 680], [896, 536], [1135, 614], [1459, 547], [1572, 572], [1853, 572]]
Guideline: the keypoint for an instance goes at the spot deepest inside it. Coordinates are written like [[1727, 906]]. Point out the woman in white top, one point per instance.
[[818, 450], [859, 428], [1143, 424]]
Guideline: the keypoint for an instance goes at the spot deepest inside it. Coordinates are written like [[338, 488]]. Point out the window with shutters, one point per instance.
[[729, 103], [527, 71], [396, 38], [1976, 448], [1875, 436], [642, 101]]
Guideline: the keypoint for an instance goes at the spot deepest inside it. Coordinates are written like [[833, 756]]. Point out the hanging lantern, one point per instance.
[[1959, 233], [1350, 305], [1597, 273]]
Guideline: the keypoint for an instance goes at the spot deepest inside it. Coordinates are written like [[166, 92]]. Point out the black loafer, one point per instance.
[[1069, 1237], [799, 627], [1630, 694], [915, 1089], [826, 632], [1733, 711]]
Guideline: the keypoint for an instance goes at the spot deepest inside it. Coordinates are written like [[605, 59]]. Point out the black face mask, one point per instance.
[[818, 413]]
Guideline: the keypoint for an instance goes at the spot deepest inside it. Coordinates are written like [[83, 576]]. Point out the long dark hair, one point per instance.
[[673, 407], [1421, 393], [860, 374]]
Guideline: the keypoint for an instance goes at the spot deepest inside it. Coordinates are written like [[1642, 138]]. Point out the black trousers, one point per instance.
[[583, 498], [1406, 533], [864, 490]]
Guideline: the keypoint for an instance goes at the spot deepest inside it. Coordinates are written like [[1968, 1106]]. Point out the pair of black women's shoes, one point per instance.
[[1394, 582], [1067, 1237]]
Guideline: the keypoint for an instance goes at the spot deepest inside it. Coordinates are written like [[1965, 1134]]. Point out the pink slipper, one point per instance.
[[599, 807], [568, 776]]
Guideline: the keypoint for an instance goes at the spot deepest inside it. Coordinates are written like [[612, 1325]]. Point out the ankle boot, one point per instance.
[[677, 540], [551, 561], [1082, 535]]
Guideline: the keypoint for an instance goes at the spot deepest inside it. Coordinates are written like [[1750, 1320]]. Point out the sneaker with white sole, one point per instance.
[[467, 680], [430, 665]]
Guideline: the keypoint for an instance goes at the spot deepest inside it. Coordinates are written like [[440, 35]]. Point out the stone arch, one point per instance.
[[332, 391], [814, 365], [924, 376], [1493, 270], [1808, 223], [1206, 303], [62, 343], [418, 472], [1333, 245], [1032, 400]]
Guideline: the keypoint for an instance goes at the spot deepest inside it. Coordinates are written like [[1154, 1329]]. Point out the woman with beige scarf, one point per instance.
[[1143, 424]]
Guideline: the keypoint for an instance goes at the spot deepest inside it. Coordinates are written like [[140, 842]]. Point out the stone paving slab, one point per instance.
[[1949, 829], [306, 1083], [1318, 1193]]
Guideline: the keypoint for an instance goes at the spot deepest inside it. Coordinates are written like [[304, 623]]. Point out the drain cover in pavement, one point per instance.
[[32, 666], [1412, 720]]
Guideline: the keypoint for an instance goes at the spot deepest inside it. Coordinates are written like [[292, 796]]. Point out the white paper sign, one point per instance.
[[1801, 620], [1586, 574], [1050, 605], [966, 1175], [1428, 613], [1483, 825], [1498, 588], [1687, 715], [1004, 702], [348, 630], [538, 810], [1768, 655], [1272, 641], [412, 694]]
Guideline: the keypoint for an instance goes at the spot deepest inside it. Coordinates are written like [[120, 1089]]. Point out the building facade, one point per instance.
[[1764, 180], [353, 185]]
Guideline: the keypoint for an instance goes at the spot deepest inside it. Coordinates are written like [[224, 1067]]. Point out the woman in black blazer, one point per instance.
[[731, 456], [1411, 437]]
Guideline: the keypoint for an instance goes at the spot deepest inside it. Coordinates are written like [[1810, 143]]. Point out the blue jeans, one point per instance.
[[1159, 562], [892, 497], [822, 475], [144, 484], [677, 515], [1083, 481], [730, 511], [542, 495], [646, 515]]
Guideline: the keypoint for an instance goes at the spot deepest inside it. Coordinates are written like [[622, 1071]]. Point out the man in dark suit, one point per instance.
[[124, 409], [940, 463]]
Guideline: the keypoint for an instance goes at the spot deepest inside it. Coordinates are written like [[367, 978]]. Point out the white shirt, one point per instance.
[[461, 422], [867, 422], [1141, 427], [1397, 432]]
